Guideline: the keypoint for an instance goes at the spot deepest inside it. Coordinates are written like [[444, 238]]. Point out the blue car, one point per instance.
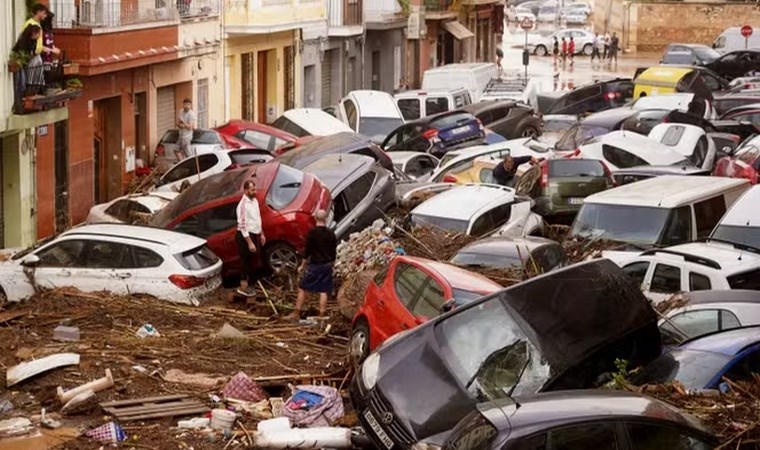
[[704, 362], [437, 134]]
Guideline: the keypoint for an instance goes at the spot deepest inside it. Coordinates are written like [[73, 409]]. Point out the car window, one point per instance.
[[210, 221], [430, 300], [747, 280], [410, 108], [245, 157], [487, 117], [107, 255], [598, 435], [146, 258], [359, 189], [351, 115], [753, 118], [500, 215], [481, 226], [699, 282], [712, 83], [474, 432], [125, 210], [461, 100], [621, 158], [198, 258], [258, 139], [436, 105], [637, 271], [746, 368], [285, 124], [666, 279], [549, 256], [189, 167], [655, 437], [694, 323], [708, 214], [678, 228], [285, 187], [61, 254], [486, 175], [673, 135], [407, 282]]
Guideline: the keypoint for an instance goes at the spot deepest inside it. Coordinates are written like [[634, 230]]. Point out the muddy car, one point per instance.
[[562, 330]]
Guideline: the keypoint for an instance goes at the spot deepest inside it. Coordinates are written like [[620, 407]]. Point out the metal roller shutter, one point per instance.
[[165, 110], [327, 79]]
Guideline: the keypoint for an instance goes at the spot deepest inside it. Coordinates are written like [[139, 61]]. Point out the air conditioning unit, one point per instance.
[[100, 13]]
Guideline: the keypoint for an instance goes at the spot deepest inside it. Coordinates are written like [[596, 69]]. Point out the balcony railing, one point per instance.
[[344, 13], [438, 5], [118, 13], [192, 9], [43, 87], [380, 11]]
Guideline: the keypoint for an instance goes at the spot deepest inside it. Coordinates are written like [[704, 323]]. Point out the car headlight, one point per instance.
[[370, 369]]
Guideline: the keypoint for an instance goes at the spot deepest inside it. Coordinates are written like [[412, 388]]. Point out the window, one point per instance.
[[125, 210], [654, 437], [209, 222], [61, 254], [747, 280], [486, 175], [637, 271], [621, 158], [285, 187], [587, 436], [257, 139], [548, 257], [728, 320], [694, 323], [666, 279], [359, 189], [475, 432], [678, 228], [436, 105], [673, 135], [107, 255], [461, 100], [198, 258], [699, 282], [285, 124], [408, 281], [481, 226], [189, 167], [410, 108], [430, 301], [145, 258], [351, 115], [707, 214], [202, 106], [745, 368], [487, 117], [712, 83]]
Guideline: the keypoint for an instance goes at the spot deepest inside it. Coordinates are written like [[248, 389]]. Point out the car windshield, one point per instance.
[[692, 368], [486, 260], [378, 128], [448, 120], [444, 223], [623, 223], [462, 297], [706, 54], [489, 353], [577, 136], [575, 168], [285, 187], [744, 235]]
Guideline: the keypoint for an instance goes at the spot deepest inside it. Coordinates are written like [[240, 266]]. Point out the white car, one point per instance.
[[696, 266], [302, 122], [519, 13], [187, 170], [690, 141], [478, 210], [203, 141], [416, 165], [373, 114], [624, 149], [123, 259], [547, 12], [542, 46], [129, 208], [670, 102], [741, 223]]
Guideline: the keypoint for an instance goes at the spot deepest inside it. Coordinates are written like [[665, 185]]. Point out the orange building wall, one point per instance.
[[45, 164]]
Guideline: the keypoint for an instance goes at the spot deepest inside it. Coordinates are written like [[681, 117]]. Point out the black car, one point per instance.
[[508, 118], [747, 113], [562, 330], [537, 254], [345, 142], [735, 64], [689, 54], [594, 97], [579, 420], [437, 134], [727, 102]]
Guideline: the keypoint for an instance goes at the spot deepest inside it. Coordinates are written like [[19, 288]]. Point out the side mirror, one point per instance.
[[448, 305], [728, 150], [30, 261]]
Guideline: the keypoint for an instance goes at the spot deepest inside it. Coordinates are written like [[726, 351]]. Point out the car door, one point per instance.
[[360, 210], [666, 281], [646, 435], [404, 287], [61, 264], [698, 322], [584, 436], [188, 170], [143, 276], [430, 301], [638, 271], [410, 108]]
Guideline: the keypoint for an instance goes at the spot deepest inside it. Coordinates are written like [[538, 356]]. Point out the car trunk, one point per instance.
[[572, 190]]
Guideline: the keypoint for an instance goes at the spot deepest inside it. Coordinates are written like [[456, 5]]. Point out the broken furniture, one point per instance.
[[154, 407]]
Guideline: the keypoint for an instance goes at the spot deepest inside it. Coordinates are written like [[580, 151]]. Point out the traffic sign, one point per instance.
[[526, 24], [746, 31]]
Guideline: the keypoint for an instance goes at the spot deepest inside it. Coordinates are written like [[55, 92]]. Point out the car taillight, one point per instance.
[[544, 175], [575, 153], [160, 150], [186, 281], [449, 179], [611, 95], [608, 173], [751, 175], [430, 134], [233, 166], [480, 124]]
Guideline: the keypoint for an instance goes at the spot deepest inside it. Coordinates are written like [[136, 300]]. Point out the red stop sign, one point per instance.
[[746, 31]]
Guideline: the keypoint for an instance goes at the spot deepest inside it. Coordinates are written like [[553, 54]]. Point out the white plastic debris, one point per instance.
[[195, 423], [147, 330], [277, 434]]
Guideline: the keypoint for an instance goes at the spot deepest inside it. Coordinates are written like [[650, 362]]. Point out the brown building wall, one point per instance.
[[45, 162]]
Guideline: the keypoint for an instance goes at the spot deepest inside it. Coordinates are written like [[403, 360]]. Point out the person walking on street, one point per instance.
[[555, 50], [499, 57], [614, 41], [504, 173], [564, 50], [606, 46], [596, 48], [249, 237], [317, 266], [571, 49], [186, 122]]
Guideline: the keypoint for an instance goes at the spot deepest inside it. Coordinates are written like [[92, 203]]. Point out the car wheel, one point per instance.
[[588, 49], [282, 257], [529, 131], [541, 51], [358, 347]]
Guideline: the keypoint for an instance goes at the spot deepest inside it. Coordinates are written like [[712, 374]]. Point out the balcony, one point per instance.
[[383, 14], [41, 96], [108, 16], [344, 17], [271, 16], [439, 9], [199, 31]]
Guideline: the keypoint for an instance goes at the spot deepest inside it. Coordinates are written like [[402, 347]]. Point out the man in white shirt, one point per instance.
[[249, 237], [186, 122]]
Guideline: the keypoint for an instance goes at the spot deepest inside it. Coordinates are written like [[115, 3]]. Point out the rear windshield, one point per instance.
[[706, 54], [378, 128], [285, 124], [694, 369], [743, 235], [623, 223], [486, 260], [197, 259], [451, 120], [440, 222], [575, 168], [579, 135], [285, 187], [200, 137]]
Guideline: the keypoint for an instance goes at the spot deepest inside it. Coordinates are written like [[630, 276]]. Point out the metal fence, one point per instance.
[[112, 13]]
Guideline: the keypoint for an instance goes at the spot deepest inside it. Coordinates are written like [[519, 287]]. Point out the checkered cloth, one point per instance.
[[242, 387], [110, 432], [324, 414]]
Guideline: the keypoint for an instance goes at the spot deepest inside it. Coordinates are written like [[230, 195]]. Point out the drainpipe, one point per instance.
[[364, 61]]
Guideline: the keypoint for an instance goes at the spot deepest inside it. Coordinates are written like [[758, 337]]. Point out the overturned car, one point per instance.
[[562, 330]]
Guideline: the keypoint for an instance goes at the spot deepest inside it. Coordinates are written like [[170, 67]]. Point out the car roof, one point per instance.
[[316, 121], [668, 191], [333, 169], [745, 212], [505, 246], [484, 105], [374, 103], [401, 157], [457, 277], [469, 200], [414, 93], [691, 45], [742, 108], [176, 242], [343, 142], [639, 145], [662, 170], [153, 200], [572, 406], [727, 343], [664, 74], [255, 126], [722, 296], [729, 258]]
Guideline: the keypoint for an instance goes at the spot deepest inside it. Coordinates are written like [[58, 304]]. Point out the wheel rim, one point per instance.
[[282, 258], [529, 132], [587, 50], [358, 345], [541, 51]]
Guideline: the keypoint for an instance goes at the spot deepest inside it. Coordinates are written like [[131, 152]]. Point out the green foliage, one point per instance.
[[20, 58], [406, 7], [621, 378]]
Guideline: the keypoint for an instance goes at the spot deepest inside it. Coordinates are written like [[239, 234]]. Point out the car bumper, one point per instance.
[[373, 413]]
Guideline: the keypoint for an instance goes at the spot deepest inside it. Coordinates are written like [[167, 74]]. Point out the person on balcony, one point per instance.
[[28, 77], [53, 71], [39, 13]]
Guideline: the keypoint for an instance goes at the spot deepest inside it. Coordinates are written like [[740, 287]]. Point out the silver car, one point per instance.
[[542, 46]]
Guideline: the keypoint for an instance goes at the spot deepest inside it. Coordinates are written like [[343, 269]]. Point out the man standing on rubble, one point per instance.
[[249, 237], [317, 267], [504, 173]]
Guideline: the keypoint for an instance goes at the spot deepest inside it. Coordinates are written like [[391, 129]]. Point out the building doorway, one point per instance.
[[141, 127], [107, 149], [247, 74], [62, 222], [376, 70], [445, 48]]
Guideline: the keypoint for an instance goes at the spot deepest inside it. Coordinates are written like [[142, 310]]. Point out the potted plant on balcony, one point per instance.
[[74, 83], [17, 60]]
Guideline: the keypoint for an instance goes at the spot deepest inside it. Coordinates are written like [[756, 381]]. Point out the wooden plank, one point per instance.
[[12, 315], [138, 401], [149, 408], [157, 415]]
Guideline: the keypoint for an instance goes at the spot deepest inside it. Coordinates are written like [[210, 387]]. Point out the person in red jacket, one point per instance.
[[564, 50], [571, 49]]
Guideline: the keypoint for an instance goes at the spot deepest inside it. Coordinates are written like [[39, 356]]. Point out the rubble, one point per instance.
[[29, 369], [94, 386], [368, 249], [65, 333]]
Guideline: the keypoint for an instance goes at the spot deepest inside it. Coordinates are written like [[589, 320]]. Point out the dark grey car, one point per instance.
[[361, 190], [536, 254]]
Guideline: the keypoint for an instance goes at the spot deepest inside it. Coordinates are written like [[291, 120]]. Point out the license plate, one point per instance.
[[461, 130], [575, 200], [381, 434]]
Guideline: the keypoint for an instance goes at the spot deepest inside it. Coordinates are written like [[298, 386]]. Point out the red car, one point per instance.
[[408, 293], [258, 135], [287, 199], [744, 163]]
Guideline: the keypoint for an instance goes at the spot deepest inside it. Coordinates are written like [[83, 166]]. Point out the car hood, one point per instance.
[[610, 117], [619, 257], [7, 253]]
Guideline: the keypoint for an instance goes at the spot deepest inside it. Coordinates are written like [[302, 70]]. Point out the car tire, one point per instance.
[[358, 345], [282, 258], [588, 49], [529, 131], [541, 51]]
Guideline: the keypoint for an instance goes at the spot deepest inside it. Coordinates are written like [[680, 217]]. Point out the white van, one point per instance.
[[657, 212], [741, 224], [418, 103], [731, 39], [373, 114], [471, 76], [309, 122]]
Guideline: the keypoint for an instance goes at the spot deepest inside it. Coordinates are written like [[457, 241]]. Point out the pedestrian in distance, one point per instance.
[[504, 173], [571, 49], [499, 58], [186, 122], [606, 45], [563, 48], [317, 266], [555, 50], [596, 48], [249, 237], [614, 48]]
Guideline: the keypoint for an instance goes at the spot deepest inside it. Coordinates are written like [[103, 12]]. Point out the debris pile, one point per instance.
[[371, 248]]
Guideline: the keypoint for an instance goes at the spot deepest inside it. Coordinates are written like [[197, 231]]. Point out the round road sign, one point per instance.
[[746, 31], [526, 24]]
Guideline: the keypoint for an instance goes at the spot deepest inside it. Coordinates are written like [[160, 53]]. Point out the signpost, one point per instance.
[[746, 32], [526, 25]]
